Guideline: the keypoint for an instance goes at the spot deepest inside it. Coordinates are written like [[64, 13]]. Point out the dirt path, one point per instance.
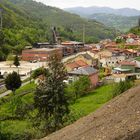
[[119, 119]]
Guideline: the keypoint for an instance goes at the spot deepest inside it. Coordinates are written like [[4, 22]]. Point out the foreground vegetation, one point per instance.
[[34, 111], [24, 129]]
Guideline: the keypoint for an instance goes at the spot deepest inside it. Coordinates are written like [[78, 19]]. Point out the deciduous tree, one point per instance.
[[50, 98], [13, 81]]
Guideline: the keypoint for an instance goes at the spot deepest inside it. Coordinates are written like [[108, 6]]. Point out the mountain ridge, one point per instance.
[[85, 11]]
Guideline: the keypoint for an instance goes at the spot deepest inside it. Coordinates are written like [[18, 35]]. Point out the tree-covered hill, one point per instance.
[[122, 23], [136, 30], [26, 22]]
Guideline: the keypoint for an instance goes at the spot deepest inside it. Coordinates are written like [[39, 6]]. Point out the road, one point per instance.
[[9, 91]]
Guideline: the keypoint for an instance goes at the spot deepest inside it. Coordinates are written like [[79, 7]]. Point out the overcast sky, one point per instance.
[[110, 3]]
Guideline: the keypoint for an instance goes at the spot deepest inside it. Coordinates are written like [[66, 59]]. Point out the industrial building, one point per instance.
[[40, 54]]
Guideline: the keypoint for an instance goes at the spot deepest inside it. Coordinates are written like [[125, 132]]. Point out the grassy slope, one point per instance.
[[93, 100], [83, 106]]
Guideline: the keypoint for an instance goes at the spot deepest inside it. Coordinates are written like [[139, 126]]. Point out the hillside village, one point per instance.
[[104, 64], [118, 60], [65, 76]]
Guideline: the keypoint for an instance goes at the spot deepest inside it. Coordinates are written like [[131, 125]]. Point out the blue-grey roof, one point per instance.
[[84, 71]]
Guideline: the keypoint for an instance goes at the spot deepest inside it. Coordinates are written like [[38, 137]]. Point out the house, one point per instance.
[[130, 53], [129, 65], [75, 65], [111, 61], [87, 58], [126, 67], [111, 45], [103, 54], [129, 70], [119, 77], [85, 71]]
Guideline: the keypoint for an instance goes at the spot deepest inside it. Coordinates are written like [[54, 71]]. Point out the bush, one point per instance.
[[79, 87], [40, 71], [122, 87], [13, 81]]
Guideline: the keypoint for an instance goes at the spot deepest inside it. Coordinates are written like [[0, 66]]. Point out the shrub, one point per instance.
[[122, 87], [79, 87]]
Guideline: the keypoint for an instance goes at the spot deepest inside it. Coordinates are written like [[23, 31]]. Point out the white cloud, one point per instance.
[[110, 3]]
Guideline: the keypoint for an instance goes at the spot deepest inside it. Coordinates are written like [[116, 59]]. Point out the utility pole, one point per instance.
[[1, 20], [84, 33]]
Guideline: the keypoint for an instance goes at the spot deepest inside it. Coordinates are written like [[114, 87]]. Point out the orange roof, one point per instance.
[[81, 63], [77, 64], [112, 44], [72, 65]]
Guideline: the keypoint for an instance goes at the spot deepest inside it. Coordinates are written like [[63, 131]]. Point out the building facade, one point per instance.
[[41, 54]]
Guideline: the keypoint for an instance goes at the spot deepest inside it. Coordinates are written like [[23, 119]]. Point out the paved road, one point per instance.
[[9, 91]]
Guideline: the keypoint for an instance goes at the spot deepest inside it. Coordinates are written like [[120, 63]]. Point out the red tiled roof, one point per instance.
[[81, 63], [112, 44], [77, 64], [128, 63], [72, 65]]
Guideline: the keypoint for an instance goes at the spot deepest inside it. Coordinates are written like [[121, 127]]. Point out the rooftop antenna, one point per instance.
[[1, 20]]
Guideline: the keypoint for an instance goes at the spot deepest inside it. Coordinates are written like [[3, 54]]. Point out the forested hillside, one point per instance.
[[122, 23], [26, 22]]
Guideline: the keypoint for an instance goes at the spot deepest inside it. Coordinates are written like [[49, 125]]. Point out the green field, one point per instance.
[[93, 100], [83, 106]]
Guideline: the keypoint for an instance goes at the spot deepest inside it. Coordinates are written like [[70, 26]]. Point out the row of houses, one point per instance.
[[107, 54]]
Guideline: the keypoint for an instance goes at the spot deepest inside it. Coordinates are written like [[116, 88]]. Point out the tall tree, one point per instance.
[[13, 81], [50, 98], [16, 61]]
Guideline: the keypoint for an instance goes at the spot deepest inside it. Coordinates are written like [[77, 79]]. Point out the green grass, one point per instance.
[[93, 100], [29, 87], [28, 98], [83, 106]]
